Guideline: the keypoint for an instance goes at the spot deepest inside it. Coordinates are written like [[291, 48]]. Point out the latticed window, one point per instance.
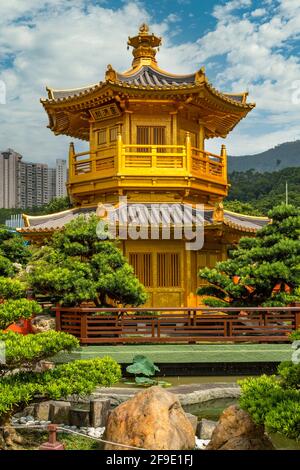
[[142, 265], [168, 270], [113, 134], [150, 135], [102, 139]]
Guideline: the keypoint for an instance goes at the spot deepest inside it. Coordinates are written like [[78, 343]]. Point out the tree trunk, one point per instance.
[[9, 438]]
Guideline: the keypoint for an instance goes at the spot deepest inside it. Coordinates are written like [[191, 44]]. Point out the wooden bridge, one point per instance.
[[178, 325]]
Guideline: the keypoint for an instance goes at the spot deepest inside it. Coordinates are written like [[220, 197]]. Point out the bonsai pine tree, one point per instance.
[[20, 380], [264, 270], [78, 266], [14, 253], [274, 401]]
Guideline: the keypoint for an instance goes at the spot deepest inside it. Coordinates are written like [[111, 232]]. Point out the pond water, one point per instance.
[[212, 410], [182, 380]]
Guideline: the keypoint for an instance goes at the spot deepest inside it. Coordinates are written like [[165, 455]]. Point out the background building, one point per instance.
[[61, 178], [10, 181], [26, 184]]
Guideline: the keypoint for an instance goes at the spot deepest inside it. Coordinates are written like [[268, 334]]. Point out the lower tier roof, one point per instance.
[[53, 222]]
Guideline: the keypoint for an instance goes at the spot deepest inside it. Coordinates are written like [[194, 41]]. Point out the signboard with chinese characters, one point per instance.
[[105, 112]]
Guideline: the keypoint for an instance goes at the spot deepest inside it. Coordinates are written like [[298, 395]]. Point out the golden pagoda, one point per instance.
[[146, 130]]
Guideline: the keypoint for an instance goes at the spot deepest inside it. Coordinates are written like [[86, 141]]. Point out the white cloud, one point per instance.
[[258, 12], [222, 12]]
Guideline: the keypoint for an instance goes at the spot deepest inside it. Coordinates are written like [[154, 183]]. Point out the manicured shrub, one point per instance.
[[289, 374], [11, 288], [13, 310], [27, 351], [75, 378], [259, 396], [285, 418], [274, 401]]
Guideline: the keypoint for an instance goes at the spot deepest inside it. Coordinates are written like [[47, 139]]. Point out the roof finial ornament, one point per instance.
[[218, 214], [110, 74], [144, 47], [144, 28], [200, 76]]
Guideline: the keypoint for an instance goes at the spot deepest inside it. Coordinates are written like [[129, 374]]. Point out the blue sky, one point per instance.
[[244, 44]]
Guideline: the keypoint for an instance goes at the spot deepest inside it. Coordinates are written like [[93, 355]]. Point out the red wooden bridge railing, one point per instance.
[[178, 325]]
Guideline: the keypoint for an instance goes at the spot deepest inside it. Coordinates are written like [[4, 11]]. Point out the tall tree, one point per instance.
[[78, 266], [263, 270]]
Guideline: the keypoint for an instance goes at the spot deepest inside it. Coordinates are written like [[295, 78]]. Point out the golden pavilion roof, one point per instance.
[[238, 222], [68, 110]]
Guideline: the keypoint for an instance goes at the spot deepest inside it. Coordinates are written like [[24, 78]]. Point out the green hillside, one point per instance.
[[256, 193], [277, 158]]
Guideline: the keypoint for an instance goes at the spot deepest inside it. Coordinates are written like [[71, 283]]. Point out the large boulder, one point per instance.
[[236, 431], [152, 419]]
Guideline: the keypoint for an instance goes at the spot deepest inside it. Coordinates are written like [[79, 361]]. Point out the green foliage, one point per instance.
[[12, 311], [13, 248], [285, 419], [295, 336], [242, 207], [144, 370], [265, 191], [11, 288], [78, 377], [26, 351], [77, 266], [56, 205], [142, 365], [261, 263], [275, 401], [76, 442], [290, 374], [6, 267], [259, 396], [149, 382]]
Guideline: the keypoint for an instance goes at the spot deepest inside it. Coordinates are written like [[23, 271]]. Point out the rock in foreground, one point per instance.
[[152, 419], [236, 431]]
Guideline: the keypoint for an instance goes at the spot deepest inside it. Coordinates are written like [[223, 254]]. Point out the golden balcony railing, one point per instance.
[[147, 160]]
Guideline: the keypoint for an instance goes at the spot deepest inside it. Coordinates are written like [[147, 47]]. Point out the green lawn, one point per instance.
[[208, 353]]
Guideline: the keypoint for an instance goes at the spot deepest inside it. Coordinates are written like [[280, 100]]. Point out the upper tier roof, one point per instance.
[[69, 110], [143, 77]]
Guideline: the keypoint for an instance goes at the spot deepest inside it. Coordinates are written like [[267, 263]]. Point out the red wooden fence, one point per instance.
[[178, 325]]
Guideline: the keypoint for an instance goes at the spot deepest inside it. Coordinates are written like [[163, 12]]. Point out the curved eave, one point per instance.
[[53, 222], [87, 93], [62, 110]]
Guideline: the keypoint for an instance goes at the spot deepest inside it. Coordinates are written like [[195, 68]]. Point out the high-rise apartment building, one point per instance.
[[61, 178], [36, 185], [51, 183], [9, 179], [26, 184]]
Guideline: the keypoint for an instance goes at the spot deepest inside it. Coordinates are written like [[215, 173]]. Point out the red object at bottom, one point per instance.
[[52, 444], [23, 327]]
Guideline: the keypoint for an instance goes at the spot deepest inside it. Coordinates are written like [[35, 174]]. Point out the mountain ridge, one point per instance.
[[275, 159]]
